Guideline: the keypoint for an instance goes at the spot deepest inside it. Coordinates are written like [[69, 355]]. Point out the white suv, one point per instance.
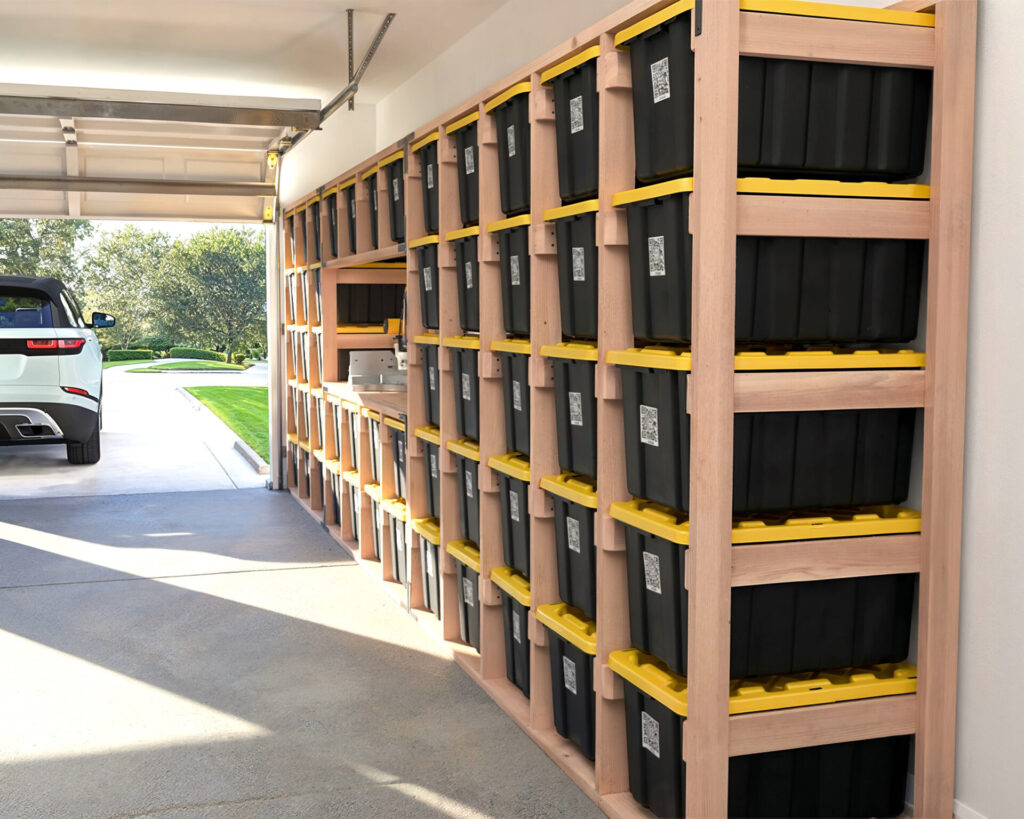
[[51, 368]]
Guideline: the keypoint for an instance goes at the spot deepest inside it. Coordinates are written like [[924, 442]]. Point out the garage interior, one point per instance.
[[238, 653]]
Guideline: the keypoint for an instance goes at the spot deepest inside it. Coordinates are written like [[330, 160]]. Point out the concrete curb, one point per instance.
[[250, 455]]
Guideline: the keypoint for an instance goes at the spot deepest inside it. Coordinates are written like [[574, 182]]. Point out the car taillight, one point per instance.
[[77, 391], [70, 343], [42, 344]]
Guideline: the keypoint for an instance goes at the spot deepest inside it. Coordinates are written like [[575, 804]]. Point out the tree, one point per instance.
[[43, 247], [118, 279], [212, 289]]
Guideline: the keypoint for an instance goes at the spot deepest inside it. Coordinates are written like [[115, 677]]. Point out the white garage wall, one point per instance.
[[990, 716]]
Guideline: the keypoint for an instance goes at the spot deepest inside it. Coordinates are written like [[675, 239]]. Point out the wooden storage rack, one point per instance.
[[711, 736]]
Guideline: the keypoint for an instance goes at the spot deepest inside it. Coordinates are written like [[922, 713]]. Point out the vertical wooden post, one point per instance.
[[945, 384], [706, 747]]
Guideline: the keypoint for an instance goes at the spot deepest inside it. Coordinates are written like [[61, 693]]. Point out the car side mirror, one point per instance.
[[101, 320]]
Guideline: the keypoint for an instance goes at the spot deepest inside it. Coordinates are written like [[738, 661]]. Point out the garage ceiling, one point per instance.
[[285, 57]]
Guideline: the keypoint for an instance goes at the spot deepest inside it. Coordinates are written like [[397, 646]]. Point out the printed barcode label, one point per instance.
[[648, 425], [513, 505], [430, 177], [428, 555], [579, 265], [469, 275], [511, 135], [659, 80], [569, 674], [428, 279], [650, 734], [469, 484], [433, 465], [517, 396], [467, 387], [575, 115], [467, 591], [652, 572], [576, 409], [656, 256], [517, 628], [373, 193], [513, 265], [352, 207], [432, 377], [394, 188], [572, 530], [401, 450], [470, 159]]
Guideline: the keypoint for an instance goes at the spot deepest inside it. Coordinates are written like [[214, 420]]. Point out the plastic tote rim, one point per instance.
[[429, 529], [570, 624], [430, 434], [512, 583], [569, 64], [583, 494], [466, 553], [512, 464]]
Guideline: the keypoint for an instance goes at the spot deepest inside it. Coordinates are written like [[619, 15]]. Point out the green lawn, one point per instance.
[[244, 409], [108, 364], [189, 365]]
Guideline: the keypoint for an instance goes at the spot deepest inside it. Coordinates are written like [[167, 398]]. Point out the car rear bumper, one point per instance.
[[45, 423]]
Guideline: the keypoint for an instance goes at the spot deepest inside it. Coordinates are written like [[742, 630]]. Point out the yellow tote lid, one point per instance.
[[746, 696], [376, 266], [466, 447], [836, 12], [373, 490], [423, 240], [332, 191], [575, 350], [570, 624], [573, 487], [663, 16], [396, 508], [351, 406], [373, 415], [511, 222], [763, 527], [672, 187], [589, 206], [774, 359], [512, 464], [512, 583], [466, 553], [462, 233], [519, 346], [832, 187], [463, 342], [333, 466], [348, 183], [394, 423], [505, 96], [462, 122], [428, 528], [391, 158], [319, 455], [584, 56], [351, 476], [434, 136], [430, 434], [367, 174], [293, 438], [427, 338]]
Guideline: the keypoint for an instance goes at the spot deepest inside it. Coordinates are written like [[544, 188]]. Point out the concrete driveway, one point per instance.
[[154, 440]]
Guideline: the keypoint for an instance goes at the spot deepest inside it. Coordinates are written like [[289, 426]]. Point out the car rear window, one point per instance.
[[21, 310]]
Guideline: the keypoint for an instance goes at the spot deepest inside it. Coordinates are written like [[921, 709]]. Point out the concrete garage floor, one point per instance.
[[215, 654], [154, 440]]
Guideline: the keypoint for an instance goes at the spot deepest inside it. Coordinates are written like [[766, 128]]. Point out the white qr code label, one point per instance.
[[579, 264], [650, 734], [432, 377], [429, 557], [467, 387], [433, 465], [469, 484], [572, 531], [575, 115], [467, 591], [470, 159], [659, 80], [648, 425], [517, 396], [352, 207], [655, 256], [513, 505], [394, 188], [373, 193], [511, 135], [428, 279], [569, 674], [430, 177], [513, 267], [576, 409], [469, 275], [652, 572], [401, 450], [517, 627]]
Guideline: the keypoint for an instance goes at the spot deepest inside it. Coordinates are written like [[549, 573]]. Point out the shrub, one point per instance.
[[200, 355], [129, 355], [157, 343], [238, 358]]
